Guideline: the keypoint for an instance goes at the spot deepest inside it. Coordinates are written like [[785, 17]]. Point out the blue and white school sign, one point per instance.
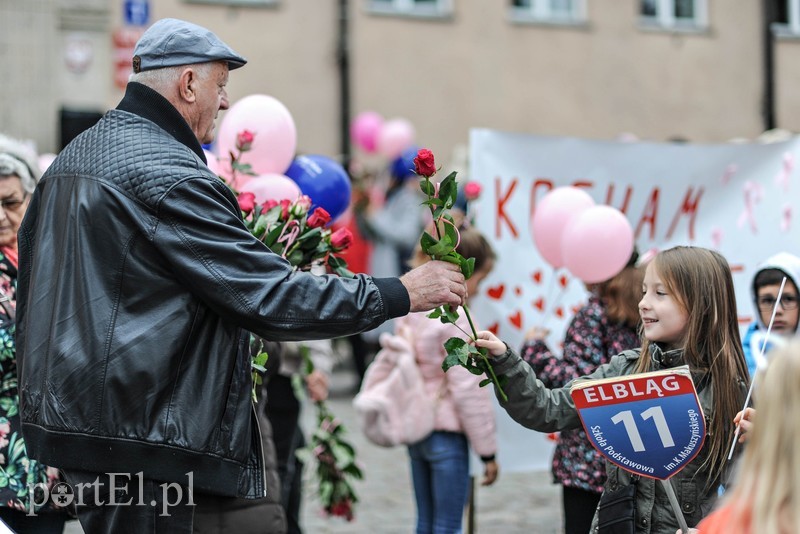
[[650, 424]]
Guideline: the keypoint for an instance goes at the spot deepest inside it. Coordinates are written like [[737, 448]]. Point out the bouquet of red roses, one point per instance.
[[288, 229]]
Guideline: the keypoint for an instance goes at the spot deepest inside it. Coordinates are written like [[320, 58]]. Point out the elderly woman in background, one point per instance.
[[19, 508]]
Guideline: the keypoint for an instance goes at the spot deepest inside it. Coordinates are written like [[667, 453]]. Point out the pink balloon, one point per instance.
[[396, 135], [213, 163], [225, 171], [272, 186], [45, 160], [275, 139], [597, 244], [365, 129], [552, 214]]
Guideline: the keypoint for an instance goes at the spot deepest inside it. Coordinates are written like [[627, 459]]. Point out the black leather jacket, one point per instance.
[[137, 277]]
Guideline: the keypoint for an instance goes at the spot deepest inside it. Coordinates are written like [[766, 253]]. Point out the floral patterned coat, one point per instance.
[[17, 471], [591, 340]]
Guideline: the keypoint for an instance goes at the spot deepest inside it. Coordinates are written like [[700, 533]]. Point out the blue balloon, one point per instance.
[[403, 167], [324, 180]]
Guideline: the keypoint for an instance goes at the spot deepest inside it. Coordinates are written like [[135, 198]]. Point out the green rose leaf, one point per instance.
[[442, 248], [451, 360], [467, 266], [435, 314], [458, 347], [427, 187]]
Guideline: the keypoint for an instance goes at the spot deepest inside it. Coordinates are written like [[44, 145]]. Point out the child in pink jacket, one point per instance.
[[464, 411]]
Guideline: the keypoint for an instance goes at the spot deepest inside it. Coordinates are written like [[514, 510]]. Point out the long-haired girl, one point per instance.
[[688, 311]]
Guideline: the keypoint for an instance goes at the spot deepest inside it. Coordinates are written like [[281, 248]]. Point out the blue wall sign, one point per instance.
[[137, 12]]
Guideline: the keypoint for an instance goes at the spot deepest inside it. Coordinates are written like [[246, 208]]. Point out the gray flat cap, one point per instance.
[[173, 42]]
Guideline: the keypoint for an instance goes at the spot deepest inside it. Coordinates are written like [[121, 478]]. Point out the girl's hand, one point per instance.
[[745, 421], [491, 342]]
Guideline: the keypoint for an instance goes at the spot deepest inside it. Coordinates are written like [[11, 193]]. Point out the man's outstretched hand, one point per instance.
[[433, 284]]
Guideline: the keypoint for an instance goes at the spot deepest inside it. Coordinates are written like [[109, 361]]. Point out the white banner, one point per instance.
[[734, 198]]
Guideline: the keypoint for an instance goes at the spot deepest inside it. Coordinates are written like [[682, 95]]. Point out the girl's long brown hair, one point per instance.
[[700, 280]]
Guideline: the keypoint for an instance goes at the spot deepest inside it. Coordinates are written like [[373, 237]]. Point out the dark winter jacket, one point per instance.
[[137, 276]]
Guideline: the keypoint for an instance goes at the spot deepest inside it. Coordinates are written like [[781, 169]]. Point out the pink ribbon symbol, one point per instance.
[[752, 196], [730, 170], [289, 235], [716, 237], [782, 179], [786, 217]]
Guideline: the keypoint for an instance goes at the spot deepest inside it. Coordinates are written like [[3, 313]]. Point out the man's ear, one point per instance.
[[187, 84]]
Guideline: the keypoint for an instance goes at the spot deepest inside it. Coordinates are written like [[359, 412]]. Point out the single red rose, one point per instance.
[[342, 509], [341, 239], [285, 205], [244, 140], [247, 201], [268, 205], [319, 218], [472, 190], [424, 163]]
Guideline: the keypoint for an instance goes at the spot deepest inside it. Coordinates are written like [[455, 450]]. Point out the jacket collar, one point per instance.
[[147, 103], [665, 359]]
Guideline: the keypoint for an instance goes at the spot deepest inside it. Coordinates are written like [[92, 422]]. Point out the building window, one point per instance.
[[243, 3], [786, 18], [549, 11], [674, 14], [421, 8]]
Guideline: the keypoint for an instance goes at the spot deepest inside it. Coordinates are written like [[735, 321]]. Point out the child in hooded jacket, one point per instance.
[[688, 311], [764, 290]]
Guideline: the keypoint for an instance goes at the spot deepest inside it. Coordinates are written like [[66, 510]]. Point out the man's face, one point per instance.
[[785, 319], [211, 97]]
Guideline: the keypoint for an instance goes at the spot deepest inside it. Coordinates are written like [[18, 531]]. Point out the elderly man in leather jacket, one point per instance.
[[137, 282]]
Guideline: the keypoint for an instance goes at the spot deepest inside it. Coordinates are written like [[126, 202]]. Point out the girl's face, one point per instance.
[[664, 319]]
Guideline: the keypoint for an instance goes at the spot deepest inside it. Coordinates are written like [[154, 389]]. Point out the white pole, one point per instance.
[[761, 362], [676, 507]]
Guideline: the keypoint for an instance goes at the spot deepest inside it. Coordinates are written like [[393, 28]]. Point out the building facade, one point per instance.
[[697, 70]]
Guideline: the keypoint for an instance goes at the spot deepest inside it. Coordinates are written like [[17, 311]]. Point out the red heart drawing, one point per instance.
[[539, 304], [494, 328], [563, 280], [560, 312], [518, 291], [537, 277], [516, 320], [496, 292]]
